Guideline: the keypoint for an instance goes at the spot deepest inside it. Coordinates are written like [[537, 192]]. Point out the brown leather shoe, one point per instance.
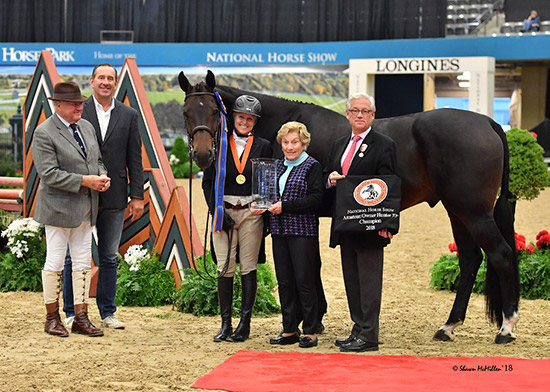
[[53, 325], [82, 323]]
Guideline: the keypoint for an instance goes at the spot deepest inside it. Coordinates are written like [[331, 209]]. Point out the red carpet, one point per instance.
[[251, 371]]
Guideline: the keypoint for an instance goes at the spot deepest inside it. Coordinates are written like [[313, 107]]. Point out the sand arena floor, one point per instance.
[[163, 350]]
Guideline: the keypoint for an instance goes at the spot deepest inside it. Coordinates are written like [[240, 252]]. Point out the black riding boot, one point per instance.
[[225, 297], [250, 285]]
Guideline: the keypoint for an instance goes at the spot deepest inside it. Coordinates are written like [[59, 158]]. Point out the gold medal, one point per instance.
[[240, 163], [240, 179]]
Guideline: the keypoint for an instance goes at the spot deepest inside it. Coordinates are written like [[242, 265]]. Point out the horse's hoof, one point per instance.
[[504, 339], [442, 336]]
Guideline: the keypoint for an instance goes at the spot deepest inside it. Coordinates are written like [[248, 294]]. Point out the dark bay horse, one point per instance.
[[457, 157]]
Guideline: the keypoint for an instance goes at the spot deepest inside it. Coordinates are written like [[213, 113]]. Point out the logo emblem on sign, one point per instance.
[[370, 192]]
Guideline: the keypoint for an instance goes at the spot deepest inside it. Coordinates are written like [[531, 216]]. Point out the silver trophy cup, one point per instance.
[[264, 182]]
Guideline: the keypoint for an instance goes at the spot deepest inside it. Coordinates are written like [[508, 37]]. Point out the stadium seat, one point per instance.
[[461, 9], [461, 19], [485, 7], [506, 28], [461, 29], [545, 25]]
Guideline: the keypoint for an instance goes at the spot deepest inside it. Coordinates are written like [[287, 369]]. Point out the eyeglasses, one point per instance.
[[355, 112]]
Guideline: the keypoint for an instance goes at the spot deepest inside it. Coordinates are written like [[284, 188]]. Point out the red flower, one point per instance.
[[520, 241], [543, 241], [530, 249], [543, 232], [453, 248], [534, 135]]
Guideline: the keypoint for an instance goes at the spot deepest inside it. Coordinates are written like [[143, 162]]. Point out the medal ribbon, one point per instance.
[[217, 219], [240, 163]]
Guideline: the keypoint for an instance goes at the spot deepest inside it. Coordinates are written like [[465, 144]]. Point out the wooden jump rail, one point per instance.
[[11, 199]]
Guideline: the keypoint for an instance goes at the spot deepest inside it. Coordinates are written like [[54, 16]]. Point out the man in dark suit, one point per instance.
[[117, 132], [68, 161], [365, 152]]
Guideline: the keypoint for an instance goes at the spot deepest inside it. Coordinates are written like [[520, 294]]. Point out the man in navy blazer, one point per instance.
[[118, 136], [364, 152]]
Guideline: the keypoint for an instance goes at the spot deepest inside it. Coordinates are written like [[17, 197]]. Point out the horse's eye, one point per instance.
[[216, 111]]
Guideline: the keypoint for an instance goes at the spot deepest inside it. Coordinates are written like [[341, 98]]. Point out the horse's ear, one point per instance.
[[184, 83], [210, 80]]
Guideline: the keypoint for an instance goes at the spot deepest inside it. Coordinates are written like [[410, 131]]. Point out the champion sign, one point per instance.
[[13, 55], [370, 192]]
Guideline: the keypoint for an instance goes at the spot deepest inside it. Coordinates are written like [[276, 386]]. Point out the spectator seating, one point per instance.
[[464, 16]]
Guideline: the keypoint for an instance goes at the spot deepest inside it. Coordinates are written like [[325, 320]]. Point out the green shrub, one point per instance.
[[179, 159], [22, 263], [8, 167], [528, 171], [200, 297], [534, 273], [143, 280]]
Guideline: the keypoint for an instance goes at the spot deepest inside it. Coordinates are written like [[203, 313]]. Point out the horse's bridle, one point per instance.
[[191, 133]]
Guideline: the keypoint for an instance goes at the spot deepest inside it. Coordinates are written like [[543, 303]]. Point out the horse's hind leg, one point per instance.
[[469, 259], [502, 282]]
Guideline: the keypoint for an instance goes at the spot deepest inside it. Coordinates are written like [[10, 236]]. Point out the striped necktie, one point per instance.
[[77, 137]]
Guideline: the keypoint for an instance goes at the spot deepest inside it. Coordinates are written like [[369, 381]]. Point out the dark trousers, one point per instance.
[[321, 299], [362, 269], [295, 267]]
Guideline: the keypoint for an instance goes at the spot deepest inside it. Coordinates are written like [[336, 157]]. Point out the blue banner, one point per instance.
[[275, 54]]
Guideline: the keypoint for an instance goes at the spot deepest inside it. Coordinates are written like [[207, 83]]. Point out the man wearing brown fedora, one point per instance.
[[68, 161]]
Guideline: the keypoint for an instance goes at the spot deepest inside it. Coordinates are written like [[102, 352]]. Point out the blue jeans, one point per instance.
[[109, 231]]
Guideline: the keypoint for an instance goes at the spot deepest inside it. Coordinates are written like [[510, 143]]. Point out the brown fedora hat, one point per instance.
[[67, 91]]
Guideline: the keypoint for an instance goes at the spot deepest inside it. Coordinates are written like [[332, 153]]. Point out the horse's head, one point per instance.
[[202, 116]]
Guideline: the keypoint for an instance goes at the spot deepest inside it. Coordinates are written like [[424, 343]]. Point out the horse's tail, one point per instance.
[[504, 211]]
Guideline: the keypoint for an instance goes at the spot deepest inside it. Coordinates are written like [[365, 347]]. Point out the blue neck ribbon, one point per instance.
[[219, 186]]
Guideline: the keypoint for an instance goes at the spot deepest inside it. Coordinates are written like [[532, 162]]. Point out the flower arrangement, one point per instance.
[[534, 268], [143, 280], [20, 268], [19, 233]]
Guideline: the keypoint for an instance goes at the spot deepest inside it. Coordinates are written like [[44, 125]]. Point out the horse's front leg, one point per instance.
[[469, 259]]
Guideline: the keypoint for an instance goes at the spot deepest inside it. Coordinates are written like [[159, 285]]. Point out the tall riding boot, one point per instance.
[[51, 286], [250, 286], [225, 297], [81, 292]]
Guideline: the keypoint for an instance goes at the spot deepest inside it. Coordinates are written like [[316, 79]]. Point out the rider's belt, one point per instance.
[[237, 207]]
